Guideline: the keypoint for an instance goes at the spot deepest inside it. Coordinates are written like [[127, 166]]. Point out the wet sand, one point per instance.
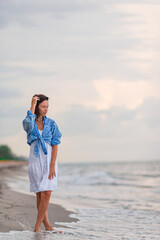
[[18, 211]]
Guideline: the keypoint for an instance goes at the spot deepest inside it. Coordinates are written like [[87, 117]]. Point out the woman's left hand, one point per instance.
[[52, 172]]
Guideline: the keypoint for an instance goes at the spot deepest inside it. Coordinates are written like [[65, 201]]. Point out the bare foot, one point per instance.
[[37, 229], [50, 228]]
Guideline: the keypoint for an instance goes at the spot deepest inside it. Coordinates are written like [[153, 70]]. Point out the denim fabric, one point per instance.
[[50, 134]]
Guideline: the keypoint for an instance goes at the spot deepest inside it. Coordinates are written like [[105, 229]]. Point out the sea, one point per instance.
[[111, 200]]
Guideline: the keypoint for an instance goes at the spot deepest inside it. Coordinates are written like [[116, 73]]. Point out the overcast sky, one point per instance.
[[97, 61]]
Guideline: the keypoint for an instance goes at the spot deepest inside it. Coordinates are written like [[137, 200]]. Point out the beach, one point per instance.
[[17, 210], [114, 200]]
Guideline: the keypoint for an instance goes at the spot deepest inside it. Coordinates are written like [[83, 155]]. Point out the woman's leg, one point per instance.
[[42, 201], [42, 205], [45, 219]]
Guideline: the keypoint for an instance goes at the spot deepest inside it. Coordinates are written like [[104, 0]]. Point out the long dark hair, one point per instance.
[[42, 98]]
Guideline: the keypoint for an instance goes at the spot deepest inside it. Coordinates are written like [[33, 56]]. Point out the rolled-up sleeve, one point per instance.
[[56, 134], [28, 122]]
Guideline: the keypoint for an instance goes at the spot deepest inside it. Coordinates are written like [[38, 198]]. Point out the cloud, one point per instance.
[[129, 94], [16, 71], [149, 112], [117, 133], [79, 120], [10, 125], [98, 61], [12, 113], [144, 55], [107, 40], [8, 93], [25, 12], [117, 122]]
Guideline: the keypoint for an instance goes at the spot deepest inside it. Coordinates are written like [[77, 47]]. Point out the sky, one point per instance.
[[97, 61]]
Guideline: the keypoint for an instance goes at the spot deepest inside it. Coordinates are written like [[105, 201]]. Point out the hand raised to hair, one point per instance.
[[35, 98]]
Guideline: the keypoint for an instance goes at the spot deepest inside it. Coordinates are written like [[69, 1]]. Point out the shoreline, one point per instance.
[[18, 211]]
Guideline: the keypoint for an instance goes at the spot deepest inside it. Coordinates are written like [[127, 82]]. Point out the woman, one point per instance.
[[43, 136]]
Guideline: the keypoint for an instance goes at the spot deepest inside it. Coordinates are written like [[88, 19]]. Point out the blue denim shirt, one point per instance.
[[50, 133]]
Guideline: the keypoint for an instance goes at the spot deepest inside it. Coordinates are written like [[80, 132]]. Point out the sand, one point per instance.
[[18, 211]]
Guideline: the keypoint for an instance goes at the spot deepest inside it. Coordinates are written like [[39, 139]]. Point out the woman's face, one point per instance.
[[43, 107]]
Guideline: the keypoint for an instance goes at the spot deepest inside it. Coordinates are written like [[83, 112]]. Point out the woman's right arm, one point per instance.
[[34, 103], [28, 122]]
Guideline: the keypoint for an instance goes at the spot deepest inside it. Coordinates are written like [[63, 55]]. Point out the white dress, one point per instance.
[[38, 169]]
